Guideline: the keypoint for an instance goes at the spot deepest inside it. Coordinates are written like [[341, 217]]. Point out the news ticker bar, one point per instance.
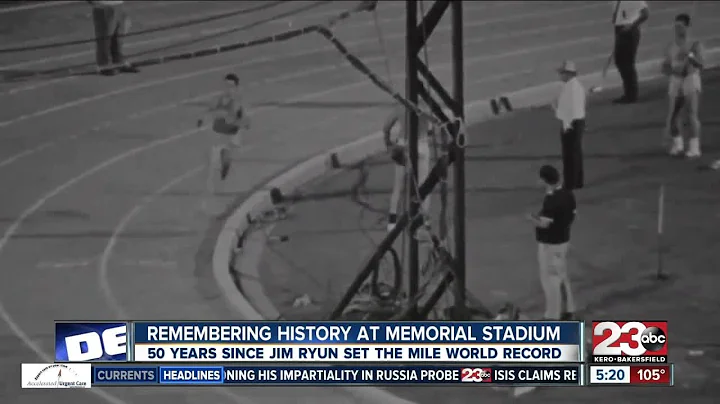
[[122, 375], [85, 375]]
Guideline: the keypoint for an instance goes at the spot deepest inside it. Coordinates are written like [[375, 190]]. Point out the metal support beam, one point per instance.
[[416, 37], [428, 24], [435, 84], [460, 309], [411, 131]]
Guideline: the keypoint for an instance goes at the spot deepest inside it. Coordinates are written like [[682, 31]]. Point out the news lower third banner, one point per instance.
[[537, 375], [294, 342]]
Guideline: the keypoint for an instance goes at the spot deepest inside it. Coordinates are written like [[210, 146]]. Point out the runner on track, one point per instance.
[[229, 121]]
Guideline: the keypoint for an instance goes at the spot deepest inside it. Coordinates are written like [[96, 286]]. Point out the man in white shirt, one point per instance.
[[570, 110], [627, 18], [110, 23]]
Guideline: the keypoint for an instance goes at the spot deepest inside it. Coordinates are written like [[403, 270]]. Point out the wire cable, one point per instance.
[[183, 24]]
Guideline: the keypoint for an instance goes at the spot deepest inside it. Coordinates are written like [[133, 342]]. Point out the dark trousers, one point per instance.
[[572, 155], [109, 24], [626, 46]]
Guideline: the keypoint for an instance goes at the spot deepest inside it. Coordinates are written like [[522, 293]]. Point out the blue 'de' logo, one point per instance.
[[90, 342]]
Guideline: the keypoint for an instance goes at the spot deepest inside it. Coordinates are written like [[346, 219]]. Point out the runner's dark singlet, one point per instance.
[[227, 115]]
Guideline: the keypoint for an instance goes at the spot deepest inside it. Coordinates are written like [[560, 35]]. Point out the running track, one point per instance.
[[100, 216]]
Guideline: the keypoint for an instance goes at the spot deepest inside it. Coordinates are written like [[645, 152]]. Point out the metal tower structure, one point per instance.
[[422, 84]]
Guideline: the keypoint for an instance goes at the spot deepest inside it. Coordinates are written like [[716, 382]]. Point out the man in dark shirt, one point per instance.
[[552, 232]]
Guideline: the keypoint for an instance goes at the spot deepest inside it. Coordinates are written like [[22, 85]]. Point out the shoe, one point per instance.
[[693, 150], [108, 72], [129, 69], [677, 147]]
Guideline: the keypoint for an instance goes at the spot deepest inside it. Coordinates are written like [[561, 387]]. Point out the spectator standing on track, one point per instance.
[[552, 232], [627, 18], [111, 24], [570, 110], [683, 64]]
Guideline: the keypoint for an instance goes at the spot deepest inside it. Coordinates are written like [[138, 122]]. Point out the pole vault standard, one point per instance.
[[417, 36]]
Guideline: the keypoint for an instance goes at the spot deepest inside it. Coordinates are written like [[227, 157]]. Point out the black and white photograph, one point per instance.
[[359, 202]]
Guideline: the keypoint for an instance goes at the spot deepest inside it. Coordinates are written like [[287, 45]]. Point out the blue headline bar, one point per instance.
[[109, 375], [345, 332]]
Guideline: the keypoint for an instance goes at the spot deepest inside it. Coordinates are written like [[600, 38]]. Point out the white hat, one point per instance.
[[568, 66]]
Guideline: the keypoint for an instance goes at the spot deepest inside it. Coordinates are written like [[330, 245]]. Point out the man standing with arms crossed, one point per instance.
[[627, 18], [552, 232]]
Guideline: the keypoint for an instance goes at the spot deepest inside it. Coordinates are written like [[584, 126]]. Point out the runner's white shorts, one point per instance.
[[684, 86]]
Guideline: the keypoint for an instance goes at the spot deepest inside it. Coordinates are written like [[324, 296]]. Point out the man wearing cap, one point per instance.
[[570, 110], [552, 232], [627, 18], [111, 25]]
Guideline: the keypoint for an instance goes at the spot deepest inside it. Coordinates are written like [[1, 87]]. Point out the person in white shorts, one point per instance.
[[394, 136], [683, 64], [229, 121]]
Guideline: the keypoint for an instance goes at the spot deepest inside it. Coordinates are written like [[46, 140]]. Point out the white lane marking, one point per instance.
[[151, 83], [64, 264], [210, 31], [165, 107], [66, 56], [103, 279], [104, 263], [15, 226], [303, 73], [73, 37], [44, 4], [370, 39], [164, 38], [37, 85]]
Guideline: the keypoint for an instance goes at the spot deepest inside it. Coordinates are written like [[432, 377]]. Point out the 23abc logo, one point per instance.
[[632, 338], [476, 375]]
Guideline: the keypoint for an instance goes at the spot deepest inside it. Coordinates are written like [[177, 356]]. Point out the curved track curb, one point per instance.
[[224, 259]]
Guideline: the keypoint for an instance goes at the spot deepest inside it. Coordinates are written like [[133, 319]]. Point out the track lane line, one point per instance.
[[208, 31], [368, 40], [44, 4], [151, 83], [28, 152], [162, 38]]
